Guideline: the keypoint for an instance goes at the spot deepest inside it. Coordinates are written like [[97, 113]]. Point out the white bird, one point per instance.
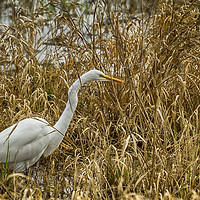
[[23, 143]]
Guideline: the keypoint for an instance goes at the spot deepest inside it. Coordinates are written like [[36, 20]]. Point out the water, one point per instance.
[[70, 23]]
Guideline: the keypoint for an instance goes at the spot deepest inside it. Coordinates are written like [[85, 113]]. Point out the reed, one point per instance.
[[134, 141]]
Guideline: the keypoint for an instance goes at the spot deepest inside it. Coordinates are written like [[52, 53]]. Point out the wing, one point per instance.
[[25, 141]]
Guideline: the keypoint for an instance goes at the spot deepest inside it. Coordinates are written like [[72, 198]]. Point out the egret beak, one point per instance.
[[112, 79]]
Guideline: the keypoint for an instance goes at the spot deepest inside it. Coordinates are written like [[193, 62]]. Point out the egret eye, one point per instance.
[[102, 75]]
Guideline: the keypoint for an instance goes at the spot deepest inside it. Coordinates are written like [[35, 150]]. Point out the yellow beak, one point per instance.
[[112, 79]]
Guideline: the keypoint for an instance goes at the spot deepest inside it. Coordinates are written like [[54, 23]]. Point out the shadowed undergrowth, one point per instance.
[[133, 141]]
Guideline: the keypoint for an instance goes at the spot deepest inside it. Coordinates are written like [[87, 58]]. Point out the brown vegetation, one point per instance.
[[134, 141]]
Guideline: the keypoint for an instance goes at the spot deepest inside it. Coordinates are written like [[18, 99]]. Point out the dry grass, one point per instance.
[[134, 141]]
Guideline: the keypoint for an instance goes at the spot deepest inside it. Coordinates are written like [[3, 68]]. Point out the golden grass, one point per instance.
[[134, 141]]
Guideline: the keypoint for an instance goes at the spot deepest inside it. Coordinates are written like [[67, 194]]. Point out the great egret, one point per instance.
[[23, 143]]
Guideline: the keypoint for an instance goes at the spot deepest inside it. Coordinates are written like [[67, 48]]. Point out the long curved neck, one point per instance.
[[62, 124], [64, 120]]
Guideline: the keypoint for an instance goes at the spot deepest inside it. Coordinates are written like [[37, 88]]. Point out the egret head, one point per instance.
[[96, 75], [92, 75]]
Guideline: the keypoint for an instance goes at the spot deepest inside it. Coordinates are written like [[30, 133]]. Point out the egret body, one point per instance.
[[26, 141]]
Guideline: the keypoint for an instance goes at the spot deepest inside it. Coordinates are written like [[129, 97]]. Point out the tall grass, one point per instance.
[[134, 141]]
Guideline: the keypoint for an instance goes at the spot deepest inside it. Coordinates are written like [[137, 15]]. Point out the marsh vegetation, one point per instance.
[[139, 140]]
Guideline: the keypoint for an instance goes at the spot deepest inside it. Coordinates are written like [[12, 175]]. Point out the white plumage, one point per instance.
[[26, 141]]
